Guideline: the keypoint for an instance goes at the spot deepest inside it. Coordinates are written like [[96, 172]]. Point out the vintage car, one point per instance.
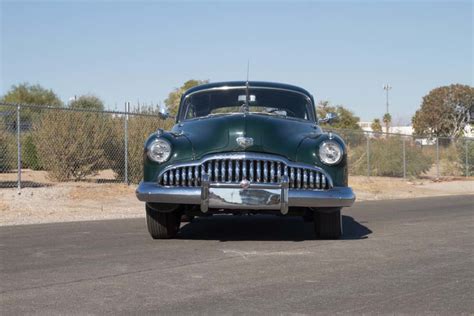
[[245, 148]]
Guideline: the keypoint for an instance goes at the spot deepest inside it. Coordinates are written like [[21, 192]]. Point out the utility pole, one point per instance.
[[386, 117], [387, 88]]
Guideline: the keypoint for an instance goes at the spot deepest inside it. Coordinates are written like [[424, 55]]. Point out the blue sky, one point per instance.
[[339, 51]]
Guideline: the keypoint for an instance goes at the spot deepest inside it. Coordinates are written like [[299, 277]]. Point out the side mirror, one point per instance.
[[330, 118], [164, 113]]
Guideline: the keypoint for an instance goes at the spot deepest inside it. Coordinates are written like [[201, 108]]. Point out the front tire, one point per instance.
[[328, 223], [162, 225], [308, 216]]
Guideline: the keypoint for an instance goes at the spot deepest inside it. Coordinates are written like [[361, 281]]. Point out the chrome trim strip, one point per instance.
[[204, 193], [298, 178], [292, 176], [210, 169], [196, 175], [265, 171], [259, 173], [230, 176], [190, 175], [223, 171], [237, 170], [285, 184], [251, 170], [216, 170], [272, 171]]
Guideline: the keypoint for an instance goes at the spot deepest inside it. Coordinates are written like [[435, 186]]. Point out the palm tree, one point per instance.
[[376, 127], [387, 119]]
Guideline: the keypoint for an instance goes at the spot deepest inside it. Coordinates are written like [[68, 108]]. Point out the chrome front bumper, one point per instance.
[[255, 196]]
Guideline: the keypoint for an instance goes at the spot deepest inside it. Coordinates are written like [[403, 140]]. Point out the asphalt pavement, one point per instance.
[[399, 256]]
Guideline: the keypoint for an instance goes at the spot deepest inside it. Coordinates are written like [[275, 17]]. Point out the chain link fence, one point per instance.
[[42, 145], [408, 156]]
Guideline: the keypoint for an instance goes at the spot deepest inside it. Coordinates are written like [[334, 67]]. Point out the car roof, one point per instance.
[[251, 84]]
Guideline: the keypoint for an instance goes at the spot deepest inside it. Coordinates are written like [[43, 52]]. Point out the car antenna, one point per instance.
[[246, 107]]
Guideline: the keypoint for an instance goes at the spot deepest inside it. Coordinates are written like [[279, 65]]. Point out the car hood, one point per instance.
[[270, 134]]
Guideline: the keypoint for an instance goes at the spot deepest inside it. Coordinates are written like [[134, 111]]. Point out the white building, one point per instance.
[[404, 130], [408, 129]]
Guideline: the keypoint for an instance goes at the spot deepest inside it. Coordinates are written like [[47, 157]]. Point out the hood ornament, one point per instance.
[[244, 142]]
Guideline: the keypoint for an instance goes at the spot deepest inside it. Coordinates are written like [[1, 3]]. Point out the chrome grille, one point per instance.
[[234, 169]]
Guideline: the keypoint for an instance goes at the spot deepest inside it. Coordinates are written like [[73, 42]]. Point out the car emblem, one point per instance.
[[244, 142], [244, 184]]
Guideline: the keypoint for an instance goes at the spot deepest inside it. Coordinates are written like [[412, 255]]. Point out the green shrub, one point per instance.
[[29, 153], [386, 158], [71, 144], [8, 159], [114, 148]]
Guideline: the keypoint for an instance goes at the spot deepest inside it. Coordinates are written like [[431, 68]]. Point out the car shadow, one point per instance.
[[263, 228], [24, 184]]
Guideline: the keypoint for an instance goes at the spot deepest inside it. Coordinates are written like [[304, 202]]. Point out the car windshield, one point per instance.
[[266, 101]]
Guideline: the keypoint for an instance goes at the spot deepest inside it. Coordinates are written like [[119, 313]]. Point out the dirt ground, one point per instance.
[[385, 188], [43, 201]]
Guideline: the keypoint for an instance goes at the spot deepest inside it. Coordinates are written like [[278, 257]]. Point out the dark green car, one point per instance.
[[245, 147]]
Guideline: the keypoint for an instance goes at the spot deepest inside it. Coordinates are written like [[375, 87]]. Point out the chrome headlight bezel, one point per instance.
[[153, 150], [333, 147]]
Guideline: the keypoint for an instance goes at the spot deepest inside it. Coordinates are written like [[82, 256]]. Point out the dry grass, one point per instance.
[[110, 191]]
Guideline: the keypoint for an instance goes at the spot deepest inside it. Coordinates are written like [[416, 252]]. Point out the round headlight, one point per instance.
[[330, 152], [159, 150]]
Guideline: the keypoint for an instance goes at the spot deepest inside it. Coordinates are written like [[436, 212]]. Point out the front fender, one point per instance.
[[308, 152], [181, 151]]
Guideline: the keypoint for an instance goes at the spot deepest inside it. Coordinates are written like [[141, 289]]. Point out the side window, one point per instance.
[[190, 112]]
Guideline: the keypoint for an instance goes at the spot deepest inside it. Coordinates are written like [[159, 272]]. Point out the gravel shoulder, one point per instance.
[[83, 201]]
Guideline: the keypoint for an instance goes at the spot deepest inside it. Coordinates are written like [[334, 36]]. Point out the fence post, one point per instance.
[[127, 108], [467, 158], [18, 145], [404, 160], [368, 155], [437, 157]]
